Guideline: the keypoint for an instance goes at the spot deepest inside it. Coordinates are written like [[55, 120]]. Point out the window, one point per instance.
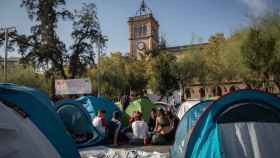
[[140, 30], [217, 91], [202, 92], [188, 93], [232, 89], [144, 29]]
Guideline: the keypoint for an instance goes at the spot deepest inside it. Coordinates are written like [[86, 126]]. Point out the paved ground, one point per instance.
[[125, 150], [150, 148]]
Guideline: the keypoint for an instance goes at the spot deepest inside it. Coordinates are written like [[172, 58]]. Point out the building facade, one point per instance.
[[143, 31], [11, 62], [143, 36]]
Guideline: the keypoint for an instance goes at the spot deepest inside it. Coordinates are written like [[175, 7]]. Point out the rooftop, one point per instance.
[[178, 49]]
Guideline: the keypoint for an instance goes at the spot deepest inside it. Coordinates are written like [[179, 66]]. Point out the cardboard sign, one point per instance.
[[72, 86]]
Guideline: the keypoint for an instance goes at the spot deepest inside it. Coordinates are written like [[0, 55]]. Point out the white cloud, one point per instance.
[[257, 7]]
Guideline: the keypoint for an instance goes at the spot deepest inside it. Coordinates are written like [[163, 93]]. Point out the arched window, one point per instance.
[[217, 91], [202, 92], [232, 89], [144, 29], [188, 93], [248, 86]]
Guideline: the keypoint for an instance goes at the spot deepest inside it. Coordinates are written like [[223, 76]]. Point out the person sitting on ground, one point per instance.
[[161, 129], [100, 123], [152, 120], [171, 131], [132, 118], [140, 130]]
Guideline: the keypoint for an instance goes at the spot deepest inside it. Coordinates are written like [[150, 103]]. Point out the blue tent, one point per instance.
[[34, 106], [77, 116], [186, 124], [242, 124], [94, 104]]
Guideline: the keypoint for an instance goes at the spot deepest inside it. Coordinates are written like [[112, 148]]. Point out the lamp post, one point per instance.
[[6, 30], [98, 65]]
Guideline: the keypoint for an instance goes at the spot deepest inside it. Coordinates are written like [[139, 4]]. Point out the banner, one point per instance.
[[72, 86]]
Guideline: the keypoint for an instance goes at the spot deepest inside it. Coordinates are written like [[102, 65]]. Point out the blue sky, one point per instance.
[[178, 19]]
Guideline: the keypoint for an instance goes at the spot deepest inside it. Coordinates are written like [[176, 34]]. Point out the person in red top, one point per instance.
[[132, 118], [100, 123]]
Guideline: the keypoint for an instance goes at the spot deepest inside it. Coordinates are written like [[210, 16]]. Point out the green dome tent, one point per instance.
[[142, 105]]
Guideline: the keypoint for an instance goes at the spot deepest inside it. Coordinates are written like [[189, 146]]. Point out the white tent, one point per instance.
[[20, 137], [185, 107]]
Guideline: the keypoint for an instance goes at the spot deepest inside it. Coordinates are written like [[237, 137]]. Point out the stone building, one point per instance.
[[143, 31], [11, 62], [143, 36]]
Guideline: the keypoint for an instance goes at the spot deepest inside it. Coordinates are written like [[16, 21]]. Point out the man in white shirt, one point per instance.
[[140, 130]]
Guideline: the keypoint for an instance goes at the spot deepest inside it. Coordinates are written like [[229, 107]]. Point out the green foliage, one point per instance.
[[234, 67], [214, 57], [137, 74], [120, 75], [260, 50], [86, 31], [43, 48], [163, 77], [186, 69], [26, 76]]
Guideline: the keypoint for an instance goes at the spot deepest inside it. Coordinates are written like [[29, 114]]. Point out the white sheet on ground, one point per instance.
[[105, 152]]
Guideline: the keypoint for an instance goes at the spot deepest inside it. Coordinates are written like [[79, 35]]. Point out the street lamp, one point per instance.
[[6, 30], [98, 64]]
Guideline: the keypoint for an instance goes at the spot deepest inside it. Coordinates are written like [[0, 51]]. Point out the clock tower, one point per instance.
[[143, 31]]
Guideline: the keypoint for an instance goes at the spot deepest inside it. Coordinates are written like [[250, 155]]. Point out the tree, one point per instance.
[[214, 57], [235, 69], [43, 47], [137, 74], [260, 49], [26, 76], [45, 50], [163, 79], [120, 75], [113, 75], [185, 71], [86, 31]]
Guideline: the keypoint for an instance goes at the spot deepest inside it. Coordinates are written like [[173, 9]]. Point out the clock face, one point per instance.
[[141, 45]]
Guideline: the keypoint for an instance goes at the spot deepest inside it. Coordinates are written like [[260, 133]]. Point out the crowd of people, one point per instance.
[[158, 130]]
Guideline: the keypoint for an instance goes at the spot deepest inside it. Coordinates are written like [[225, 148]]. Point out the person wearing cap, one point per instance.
[[100, 123]]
